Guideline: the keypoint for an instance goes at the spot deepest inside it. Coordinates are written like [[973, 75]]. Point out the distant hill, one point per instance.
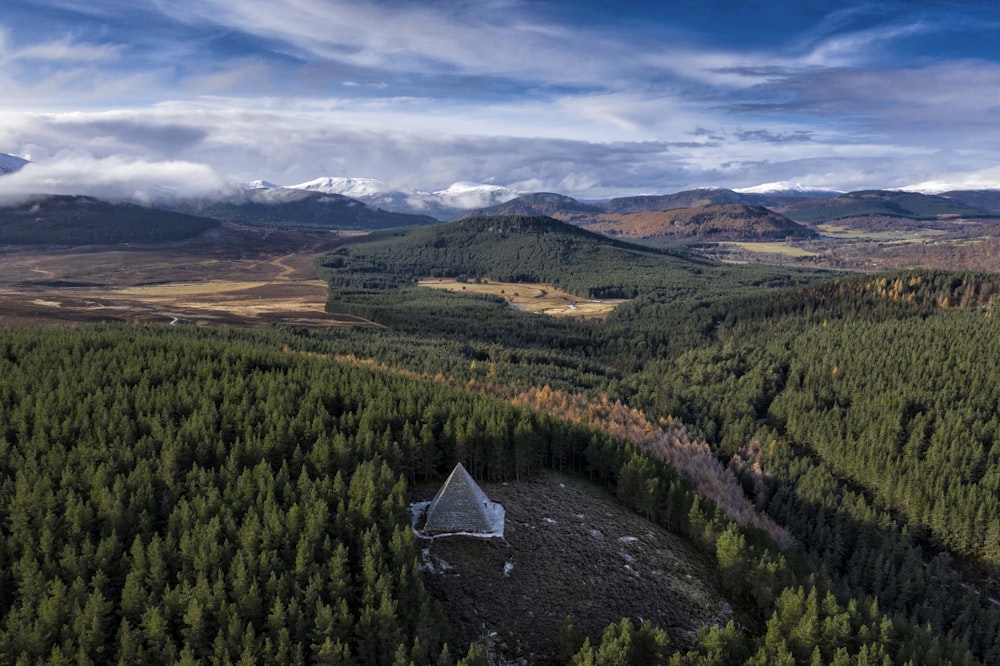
[[716, 221], [910, 205], [988, 200], [287, 207], [80, 220], [687, 199], [540, 203]]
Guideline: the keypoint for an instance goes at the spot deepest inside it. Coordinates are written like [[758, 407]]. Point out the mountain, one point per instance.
[[788, 190], [284, 206], [888, 203], [714, 221], [79, 220], [988, 200], [10, 163], [441, 204], [540, 203]]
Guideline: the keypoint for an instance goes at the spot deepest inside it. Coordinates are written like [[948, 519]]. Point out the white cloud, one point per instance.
[[118, 178]]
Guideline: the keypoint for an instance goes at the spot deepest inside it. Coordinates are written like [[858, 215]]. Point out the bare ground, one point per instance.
[[569, 549], [233, 275]]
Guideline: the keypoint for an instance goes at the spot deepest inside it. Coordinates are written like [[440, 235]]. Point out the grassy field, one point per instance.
[[532, 297], [849, 233], [775, 248]]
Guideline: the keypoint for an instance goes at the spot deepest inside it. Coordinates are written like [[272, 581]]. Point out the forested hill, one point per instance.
[[80, 220], [505, 248], [910, 205]]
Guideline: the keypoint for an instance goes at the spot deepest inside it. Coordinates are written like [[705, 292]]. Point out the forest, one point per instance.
[[210, 495]]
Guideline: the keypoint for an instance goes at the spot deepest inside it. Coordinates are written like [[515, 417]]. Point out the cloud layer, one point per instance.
[[543, 96]]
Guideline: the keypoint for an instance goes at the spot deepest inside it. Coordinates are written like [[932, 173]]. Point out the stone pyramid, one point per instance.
[[462, 506]]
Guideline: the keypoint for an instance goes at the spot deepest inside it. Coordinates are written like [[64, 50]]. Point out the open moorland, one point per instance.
[[233, 275]]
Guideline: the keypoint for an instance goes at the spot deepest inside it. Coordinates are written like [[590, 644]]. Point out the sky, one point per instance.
[[140, 98]]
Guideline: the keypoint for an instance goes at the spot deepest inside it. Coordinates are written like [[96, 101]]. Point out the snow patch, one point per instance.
[[549, 521], [507, 568], [628, 539]]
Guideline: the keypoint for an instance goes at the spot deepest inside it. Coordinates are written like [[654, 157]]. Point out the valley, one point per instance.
[[676, 439]]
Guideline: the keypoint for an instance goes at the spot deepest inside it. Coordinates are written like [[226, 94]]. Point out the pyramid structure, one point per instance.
[[462, 506]]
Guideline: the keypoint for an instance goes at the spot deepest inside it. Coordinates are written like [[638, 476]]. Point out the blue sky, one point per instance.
[[592, 99]]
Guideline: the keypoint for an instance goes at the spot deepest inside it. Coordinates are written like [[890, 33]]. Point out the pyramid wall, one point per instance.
[[462, 506]]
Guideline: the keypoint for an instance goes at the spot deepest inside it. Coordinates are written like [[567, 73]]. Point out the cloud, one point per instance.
[[113, 178]]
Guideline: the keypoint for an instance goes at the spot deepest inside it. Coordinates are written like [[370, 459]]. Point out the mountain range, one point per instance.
[[770, 211]]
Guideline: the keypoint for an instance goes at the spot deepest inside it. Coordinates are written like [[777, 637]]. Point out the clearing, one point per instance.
[[534, 297], [569, 548]]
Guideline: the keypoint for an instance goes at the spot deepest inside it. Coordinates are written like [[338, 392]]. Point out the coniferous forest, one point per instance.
[[184, 495]]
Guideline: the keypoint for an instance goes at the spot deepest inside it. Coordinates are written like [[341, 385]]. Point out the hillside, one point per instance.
[[911, 205], [286, 207], [79, 220], [714, 222]]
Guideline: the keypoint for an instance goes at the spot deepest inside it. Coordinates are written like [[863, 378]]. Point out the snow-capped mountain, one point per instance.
[[10, 163], [356, 188], [442, 204], [786, 188]]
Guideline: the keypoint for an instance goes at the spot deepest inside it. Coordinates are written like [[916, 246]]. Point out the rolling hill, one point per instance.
[[79, 220]]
